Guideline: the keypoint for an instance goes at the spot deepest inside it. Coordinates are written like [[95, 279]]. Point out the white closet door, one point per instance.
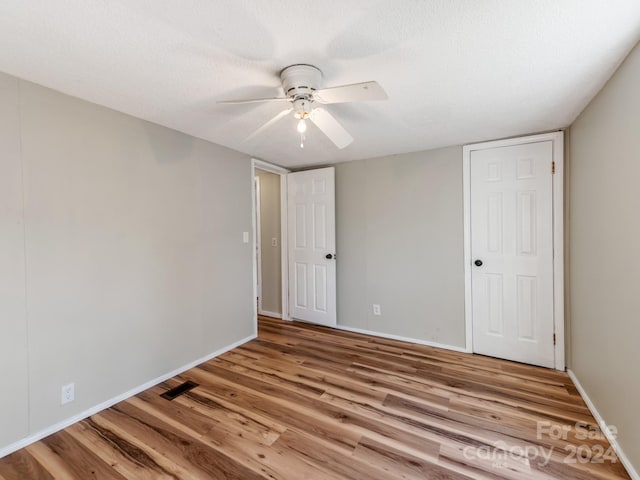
[[512, 252]]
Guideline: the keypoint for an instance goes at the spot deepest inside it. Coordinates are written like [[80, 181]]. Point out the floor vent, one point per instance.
[[179, 390]]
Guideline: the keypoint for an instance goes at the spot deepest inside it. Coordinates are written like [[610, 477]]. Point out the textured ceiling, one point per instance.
[[456, 71]]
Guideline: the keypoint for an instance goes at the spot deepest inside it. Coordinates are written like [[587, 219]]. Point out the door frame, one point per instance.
[[557, 139], [257, 164]]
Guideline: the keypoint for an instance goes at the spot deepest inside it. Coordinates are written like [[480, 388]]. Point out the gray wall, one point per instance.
[[400, 244], [133, 258], [604, 268], [271, 271]]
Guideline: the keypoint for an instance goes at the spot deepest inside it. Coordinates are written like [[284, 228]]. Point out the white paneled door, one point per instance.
[[512, 252], [312, 246]]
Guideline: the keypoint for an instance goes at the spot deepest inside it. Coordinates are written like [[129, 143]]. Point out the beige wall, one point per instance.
[[13, 326], [271, 268], [604, 255], [135, 264], [400, 244]]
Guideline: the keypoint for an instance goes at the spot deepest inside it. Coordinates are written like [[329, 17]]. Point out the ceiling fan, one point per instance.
[[300, 84]]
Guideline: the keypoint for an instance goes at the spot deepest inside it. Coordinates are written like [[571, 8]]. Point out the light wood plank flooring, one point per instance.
[[305, 402]]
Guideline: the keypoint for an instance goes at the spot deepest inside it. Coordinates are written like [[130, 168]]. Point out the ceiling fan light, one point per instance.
[[302, 126]]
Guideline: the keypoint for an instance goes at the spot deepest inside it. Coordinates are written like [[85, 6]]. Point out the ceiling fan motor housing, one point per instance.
[[300, 81]]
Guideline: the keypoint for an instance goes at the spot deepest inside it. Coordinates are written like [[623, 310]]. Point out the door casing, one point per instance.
[[557, 139]]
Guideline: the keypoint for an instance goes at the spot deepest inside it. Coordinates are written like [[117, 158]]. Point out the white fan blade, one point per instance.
[[254, 100], [282, 114], [357, 92], [330, 127]]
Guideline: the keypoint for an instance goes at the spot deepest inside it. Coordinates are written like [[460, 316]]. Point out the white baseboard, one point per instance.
[[269, 314], [104, 405], [403, 339], [603, 427]]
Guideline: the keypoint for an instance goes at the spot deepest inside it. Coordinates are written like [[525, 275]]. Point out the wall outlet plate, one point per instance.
[[68, 393], [376, 309]]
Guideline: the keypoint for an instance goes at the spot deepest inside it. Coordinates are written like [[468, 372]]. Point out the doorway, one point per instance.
[[302, 241], [269, 240], [259, 165], [513, 249]]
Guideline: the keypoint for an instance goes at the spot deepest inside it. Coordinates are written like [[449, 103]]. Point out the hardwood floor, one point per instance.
[[305, 402]]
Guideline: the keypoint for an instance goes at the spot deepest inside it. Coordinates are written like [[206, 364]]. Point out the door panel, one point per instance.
[[526, 301], [512, 235], [494, 299], [300, 285], [320, 282], [312, 278], [320, 226]]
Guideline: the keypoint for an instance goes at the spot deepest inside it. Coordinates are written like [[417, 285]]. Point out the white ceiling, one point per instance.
[[456, 71]]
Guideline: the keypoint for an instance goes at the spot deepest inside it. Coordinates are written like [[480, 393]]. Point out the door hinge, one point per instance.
[[554, 338], [553, 167]]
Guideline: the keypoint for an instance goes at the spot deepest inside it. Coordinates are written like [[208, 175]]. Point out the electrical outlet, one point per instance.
[[68, 393], [274, 242], [245, 237], [376, 309]]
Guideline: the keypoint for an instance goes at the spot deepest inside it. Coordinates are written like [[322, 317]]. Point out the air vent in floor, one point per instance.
[[179, 390]]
